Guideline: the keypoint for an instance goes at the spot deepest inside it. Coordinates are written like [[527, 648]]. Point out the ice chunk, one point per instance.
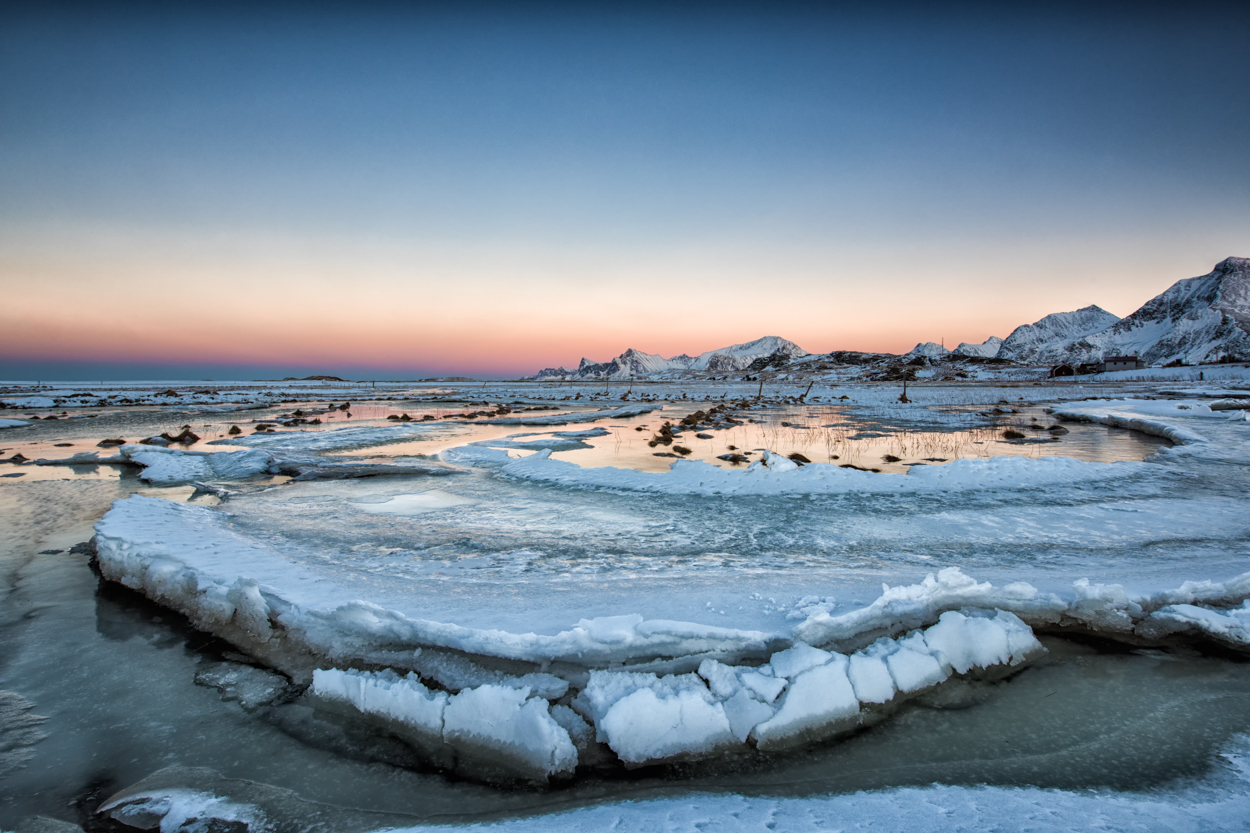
[[605, 688], [13, 423], [385, 693], [745, 713], [1105, 606], [776, 462], [477, 456], [1229, 626], [764, 688], [580, 732], [870, 678], [250, 686], [176, 465], [797, 659], [721, 678], [185, 810], [819, 702], [962, 643], [912, 666], [500, 722], [652, 725], [170, 468]]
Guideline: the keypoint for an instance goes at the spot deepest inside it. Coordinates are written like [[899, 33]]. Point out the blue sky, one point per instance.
[[547, 181]]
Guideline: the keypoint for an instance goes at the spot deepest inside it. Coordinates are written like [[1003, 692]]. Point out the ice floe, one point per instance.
[[336, 439], [572, 417], [776, 475], [168, 465], [834, 673]]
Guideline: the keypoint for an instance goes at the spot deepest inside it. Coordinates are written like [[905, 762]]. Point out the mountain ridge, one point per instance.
[[1195, 320]]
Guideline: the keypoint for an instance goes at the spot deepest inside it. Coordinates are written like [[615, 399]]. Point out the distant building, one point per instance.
[[1110, 363], [1061, 370]]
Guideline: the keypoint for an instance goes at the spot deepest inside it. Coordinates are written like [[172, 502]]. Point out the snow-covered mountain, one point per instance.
[[1048, 340], [1196, 320], [725, 359], [987, 349], [928, 349]]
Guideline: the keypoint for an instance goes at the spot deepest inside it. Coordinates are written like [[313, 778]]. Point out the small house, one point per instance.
[[1110, 363]]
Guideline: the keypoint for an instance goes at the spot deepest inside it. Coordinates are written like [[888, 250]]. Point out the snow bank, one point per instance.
[[776, 475], [13, 423]]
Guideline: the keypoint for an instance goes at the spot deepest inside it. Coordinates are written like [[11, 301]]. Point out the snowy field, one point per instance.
[[395, 586]]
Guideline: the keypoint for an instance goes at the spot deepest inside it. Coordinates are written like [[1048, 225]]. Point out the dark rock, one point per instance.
[[110, 443], [186, 437]]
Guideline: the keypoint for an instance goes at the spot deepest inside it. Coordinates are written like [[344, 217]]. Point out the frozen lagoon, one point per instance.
[[509, 562]]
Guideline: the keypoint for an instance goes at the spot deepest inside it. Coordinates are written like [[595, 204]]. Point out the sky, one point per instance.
[[404, 190]]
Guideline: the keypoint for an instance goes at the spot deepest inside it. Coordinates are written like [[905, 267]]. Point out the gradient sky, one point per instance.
[[400, 190]]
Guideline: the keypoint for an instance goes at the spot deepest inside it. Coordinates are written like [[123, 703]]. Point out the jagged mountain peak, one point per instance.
[[633, 362], [1044, 341]]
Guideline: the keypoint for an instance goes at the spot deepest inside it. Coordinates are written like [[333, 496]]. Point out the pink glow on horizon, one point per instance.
[[509, 311], [508, 345]]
